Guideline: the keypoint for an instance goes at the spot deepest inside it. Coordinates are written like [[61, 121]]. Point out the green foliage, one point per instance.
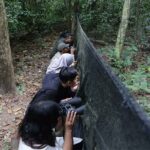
[[135, 79], [144, 102], [20, 88], [14, 10], [6, 145], [103, 16], [126, 58], [135, 75], [28, 16]]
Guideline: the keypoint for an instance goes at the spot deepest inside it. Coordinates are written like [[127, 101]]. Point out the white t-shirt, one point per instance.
[[58, 145], [59, 61], [53, 60]]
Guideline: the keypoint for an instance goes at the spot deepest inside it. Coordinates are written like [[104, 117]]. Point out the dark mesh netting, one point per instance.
[[113, 120]]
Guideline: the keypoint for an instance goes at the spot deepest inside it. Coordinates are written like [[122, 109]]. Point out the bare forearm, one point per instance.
[[70, 119], [68, 144]]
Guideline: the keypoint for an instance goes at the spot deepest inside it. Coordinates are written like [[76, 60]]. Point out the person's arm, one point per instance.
[[68, 141], [76, 85], [72, 50], [65, 100], [73, 64]]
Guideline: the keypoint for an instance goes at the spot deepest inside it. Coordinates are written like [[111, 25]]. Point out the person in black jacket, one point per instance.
[[57, 87]]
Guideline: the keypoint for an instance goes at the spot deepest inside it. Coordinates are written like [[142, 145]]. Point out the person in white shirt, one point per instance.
[[37, 129], [65, 60], [64, 53]]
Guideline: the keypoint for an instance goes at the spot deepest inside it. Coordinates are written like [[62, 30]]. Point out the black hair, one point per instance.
[[67, 74], [38, 123], [65, 34]]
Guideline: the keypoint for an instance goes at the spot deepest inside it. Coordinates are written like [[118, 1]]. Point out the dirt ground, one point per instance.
[[31, 57]]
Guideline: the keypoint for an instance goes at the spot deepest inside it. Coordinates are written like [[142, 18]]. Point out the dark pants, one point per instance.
[[77, 103], [78, 126]]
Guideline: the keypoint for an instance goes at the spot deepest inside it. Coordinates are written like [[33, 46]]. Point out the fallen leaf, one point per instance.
[[17, 109], [6, 127], [9, 111]]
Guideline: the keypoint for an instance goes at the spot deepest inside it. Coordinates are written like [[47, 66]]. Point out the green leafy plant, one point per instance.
[[20, 88], [25, 17], [144, 102], [136, 81]]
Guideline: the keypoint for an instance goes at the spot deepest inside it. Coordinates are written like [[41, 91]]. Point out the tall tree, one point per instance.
[[7, 82], [69, 6], [122, 28], [76, 9], [138, 21]]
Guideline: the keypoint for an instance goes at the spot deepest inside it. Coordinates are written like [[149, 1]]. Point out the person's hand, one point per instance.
[[72, 50], [74, 88], [68, 140], [76, 84], [66, 99], [73, 64], [70, 119]]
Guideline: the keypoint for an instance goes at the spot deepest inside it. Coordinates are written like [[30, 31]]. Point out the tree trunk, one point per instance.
[[76, 9], [7, 82], [138, 22], [68, 5], [122, 28], [73, 24]]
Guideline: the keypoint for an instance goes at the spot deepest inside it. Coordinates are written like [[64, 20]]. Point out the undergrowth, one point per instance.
[[133, 69]]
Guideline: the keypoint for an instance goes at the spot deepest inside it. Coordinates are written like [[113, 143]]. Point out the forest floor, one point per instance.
[[30, 57]]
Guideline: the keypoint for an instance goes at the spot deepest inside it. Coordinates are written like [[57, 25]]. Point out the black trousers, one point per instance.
[[77, 103], [78, 126]]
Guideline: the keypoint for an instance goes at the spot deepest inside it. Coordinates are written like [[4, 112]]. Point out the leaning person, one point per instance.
[[37, 129], [65, 60], [66, 38], [62, 49], [57, 86]]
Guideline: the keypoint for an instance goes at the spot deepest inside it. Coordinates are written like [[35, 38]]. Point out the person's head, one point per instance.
[[64, 48], [67, 76], [69, 39], [64, 34], [38, 123]]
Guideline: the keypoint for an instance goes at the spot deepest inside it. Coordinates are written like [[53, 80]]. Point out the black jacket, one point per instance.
[[52, 89]]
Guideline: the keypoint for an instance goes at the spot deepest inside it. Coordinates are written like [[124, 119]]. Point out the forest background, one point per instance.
[[101, 21]]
